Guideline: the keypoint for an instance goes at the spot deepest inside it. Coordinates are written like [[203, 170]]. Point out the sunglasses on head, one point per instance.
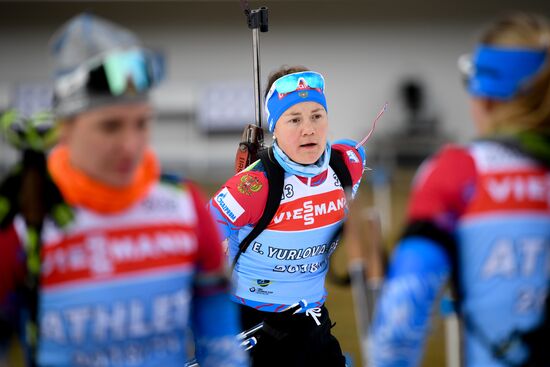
[[115, 74], [297, 81], [466, 68], [501, 72]]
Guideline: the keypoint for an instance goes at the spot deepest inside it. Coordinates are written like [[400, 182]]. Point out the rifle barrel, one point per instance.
[[257, 76]]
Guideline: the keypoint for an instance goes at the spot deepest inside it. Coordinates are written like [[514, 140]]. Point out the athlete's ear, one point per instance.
[[65, 128]]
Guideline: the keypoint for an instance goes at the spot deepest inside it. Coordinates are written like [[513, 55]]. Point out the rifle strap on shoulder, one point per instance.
[[339, 167], [275, 177]]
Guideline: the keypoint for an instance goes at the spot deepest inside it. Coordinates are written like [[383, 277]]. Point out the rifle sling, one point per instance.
[[275, 177]]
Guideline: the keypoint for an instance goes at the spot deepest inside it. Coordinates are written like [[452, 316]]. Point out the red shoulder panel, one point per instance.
[[443, 186], [242, 198]]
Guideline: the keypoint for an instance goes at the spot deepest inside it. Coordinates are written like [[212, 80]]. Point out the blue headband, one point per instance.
[[276, 104], [501, 72]]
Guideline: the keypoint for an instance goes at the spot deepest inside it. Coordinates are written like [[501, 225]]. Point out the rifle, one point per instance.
[[252, 139]]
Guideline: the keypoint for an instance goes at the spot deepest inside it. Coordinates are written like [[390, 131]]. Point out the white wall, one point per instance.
[[364, 48]]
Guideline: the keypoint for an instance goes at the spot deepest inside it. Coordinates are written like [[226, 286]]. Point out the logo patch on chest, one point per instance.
[[310, 212]]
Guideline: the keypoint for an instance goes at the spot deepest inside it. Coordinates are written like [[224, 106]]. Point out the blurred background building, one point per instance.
[[370, 52]]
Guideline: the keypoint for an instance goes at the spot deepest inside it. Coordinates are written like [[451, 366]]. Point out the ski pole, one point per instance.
[[365, 265], [248, 341], [246, 344]]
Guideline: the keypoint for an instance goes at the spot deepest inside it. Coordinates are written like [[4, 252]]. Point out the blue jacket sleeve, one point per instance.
[[418, 271], [214, 317]]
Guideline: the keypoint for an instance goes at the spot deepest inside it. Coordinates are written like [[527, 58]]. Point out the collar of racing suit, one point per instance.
[[534, 144], [304, 170], [79, 189]]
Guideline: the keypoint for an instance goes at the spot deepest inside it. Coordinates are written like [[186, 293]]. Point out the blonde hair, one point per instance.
[[530, 109]]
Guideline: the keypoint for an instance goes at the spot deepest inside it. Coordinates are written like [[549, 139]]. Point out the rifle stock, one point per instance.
[[252, 141]]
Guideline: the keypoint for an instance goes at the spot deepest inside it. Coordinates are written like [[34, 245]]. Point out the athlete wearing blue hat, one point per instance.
[[288, 261], [479, 215]]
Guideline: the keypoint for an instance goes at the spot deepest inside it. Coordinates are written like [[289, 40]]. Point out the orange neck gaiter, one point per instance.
[[78, 189]]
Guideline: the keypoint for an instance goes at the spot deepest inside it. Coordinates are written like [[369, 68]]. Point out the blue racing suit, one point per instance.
[[489, 205]]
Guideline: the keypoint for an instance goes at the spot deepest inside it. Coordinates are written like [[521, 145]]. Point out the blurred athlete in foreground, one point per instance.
[[140, 264], [480, 215]]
